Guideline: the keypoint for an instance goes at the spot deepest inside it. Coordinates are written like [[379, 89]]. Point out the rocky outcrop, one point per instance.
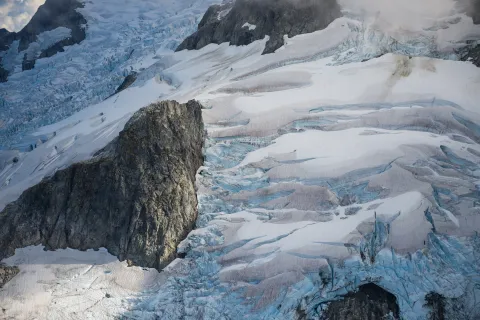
[[127, 82], [461, 308], [135, 197], [470, 53], [7, 273], [49, 16], [245, 21], [369, 302], [436, 303], [6, 38]]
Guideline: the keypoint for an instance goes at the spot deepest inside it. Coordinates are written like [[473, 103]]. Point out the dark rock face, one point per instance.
[[7, 273], [443, 308], [274, 18], [369, 302], [6, 38], [136, 197], [436, 303], [27, 64], [127, 82], [471, 53], [51, 15], [3, 74]]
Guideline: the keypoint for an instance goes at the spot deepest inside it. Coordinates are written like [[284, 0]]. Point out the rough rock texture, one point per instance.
[[369, 302], [127, 82], [7, 273], [6, 38], [436, 303], [274, 18], [136, 197], [27, 64], [472, 54], [460, 308], [51, 15], [3, 73]]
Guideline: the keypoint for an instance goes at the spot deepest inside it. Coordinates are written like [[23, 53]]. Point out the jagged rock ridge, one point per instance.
[[250, 20], [136, 197], [49, 16]]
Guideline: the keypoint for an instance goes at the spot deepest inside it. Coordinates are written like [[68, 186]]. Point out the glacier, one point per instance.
[[350, 155]]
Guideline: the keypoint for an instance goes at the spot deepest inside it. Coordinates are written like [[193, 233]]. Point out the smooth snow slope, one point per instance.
[[325, 168]]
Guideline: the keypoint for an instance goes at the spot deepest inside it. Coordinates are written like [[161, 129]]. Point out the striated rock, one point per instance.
[[136, 197], [7, 273], [250, 20], [369, 302]]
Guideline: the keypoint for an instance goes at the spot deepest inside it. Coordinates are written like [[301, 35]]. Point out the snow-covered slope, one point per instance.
[[350, 155], [121, 36]]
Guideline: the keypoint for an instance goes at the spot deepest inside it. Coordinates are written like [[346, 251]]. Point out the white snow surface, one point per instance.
[[249, 26], [81, 285], [326, 166]]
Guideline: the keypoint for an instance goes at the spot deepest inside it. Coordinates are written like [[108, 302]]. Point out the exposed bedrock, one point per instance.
[[245, 21], [471, 52], [369, 302], [473, 10], [49, 16], [127, 82], [7, 273], [464, 307], [136, 197]]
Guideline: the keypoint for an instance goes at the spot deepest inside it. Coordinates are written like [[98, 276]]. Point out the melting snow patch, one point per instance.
[[250, 26]]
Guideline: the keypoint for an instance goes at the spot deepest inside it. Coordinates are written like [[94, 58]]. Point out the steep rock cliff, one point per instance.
[[136, 197], [245, 21]]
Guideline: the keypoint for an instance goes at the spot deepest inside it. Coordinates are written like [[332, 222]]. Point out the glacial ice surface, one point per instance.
[[350, 155]]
